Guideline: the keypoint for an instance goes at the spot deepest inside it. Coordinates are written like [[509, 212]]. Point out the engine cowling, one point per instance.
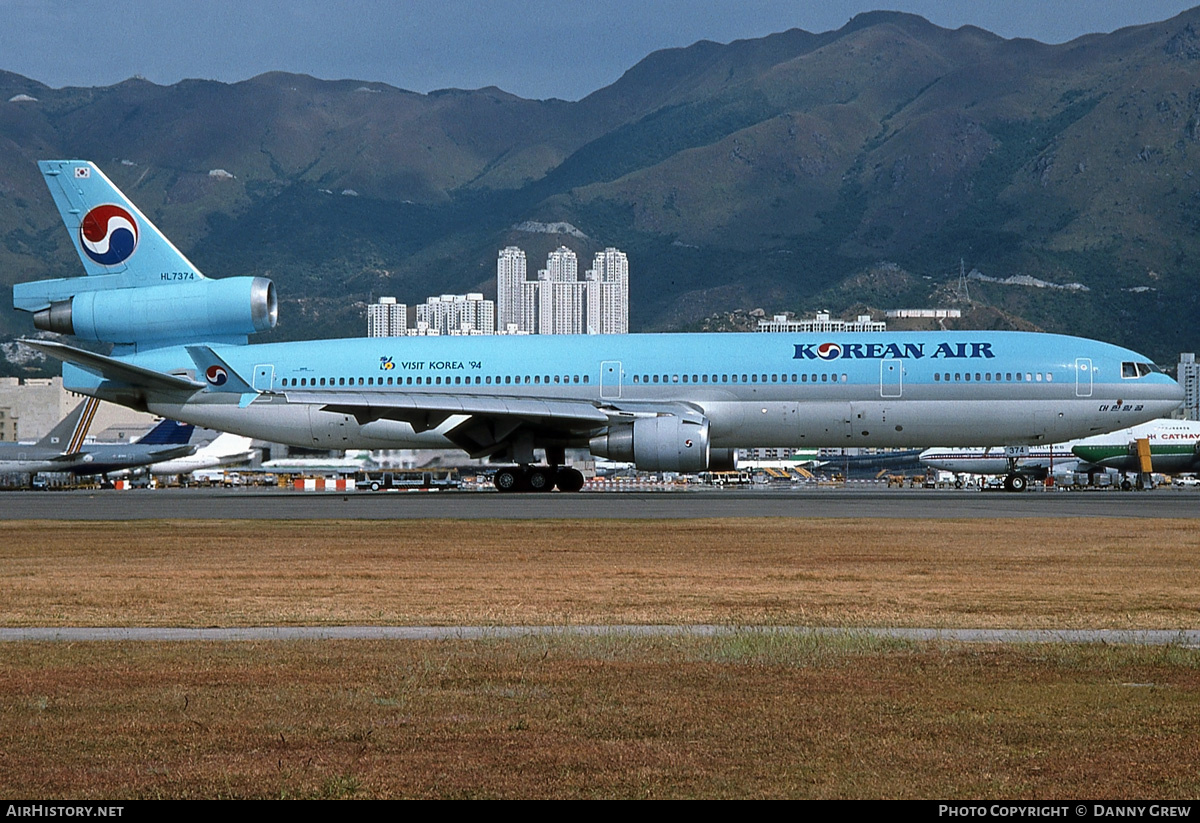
[[199, 309], [664, 443]]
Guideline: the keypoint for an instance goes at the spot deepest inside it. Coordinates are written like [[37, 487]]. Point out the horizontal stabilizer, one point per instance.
[[115, 370]]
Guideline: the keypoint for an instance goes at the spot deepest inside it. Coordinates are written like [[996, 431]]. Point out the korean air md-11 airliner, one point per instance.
[[668, 402]]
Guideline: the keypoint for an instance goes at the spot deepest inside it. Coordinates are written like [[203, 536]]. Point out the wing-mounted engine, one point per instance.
[[678, 443], [199, 309]]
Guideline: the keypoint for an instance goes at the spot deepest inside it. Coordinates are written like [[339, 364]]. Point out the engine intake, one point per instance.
[[200, 309], [666, 443]]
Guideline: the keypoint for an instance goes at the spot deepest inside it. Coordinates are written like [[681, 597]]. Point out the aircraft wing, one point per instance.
[[491, 422], [65, 458], [430, 410], [171, 452]]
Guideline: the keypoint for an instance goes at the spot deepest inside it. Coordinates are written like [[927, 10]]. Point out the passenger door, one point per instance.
[[891, 378], [610, 380], [264, 377], [1083, 376]]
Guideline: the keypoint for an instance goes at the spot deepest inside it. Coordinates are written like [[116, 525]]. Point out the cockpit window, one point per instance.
[[1138, 369]]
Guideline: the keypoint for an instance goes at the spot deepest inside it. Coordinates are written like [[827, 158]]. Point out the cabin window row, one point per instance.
[[997, 377], [539, 379], [742, 378], [458, 380]]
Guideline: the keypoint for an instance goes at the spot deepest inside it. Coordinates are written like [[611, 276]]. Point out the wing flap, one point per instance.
[[368, 406]]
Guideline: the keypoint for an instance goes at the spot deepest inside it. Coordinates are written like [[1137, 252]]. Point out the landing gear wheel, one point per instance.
[[539, 480], [569, 480], [507, 480], [1126, 486], [1017, 482]]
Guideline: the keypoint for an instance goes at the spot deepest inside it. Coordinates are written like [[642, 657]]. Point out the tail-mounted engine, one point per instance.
[[199, 309]]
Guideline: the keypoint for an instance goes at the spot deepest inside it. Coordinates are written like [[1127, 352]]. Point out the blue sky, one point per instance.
[[532, 48]]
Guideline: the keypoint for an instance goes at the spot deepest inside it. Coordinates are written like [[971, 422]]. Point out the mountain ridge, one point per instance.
[[769, 171]]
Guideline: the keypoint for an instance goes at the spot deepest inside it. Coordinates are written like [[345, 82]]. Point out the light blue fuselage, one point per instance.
[[663, 401], [887, 389]]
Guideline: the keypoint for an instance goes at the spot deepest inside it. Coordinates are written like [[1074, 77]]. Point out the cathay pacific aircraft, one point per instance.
[[671, 402], [1174, 448]]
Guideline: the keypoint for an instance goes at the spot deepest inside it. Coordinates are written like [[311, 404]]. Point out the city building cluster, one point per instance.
[[556, 302], [822, 323], [447, 314]]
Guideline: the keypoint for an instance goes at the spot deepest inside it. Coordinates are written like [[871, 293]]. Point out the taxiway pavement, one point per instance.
[[865, 501]]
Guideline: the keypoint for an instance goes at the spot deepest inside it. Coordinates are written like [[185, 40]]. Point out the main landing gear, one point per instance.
[[1015, 482], [537, 479]]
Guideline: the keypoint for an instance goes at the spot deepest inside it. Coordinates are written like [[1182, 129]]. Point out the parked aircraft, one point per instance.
[[63, 449], [351, 463], [670, 402], [58, 450], [1019, 465], [223, 450], [1173, 449]]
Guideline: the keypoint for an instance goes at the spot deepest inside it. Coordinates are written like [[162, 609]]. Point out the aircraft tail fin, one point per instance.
[[140, 289], [68, 436], [168, 433], [110, 233]]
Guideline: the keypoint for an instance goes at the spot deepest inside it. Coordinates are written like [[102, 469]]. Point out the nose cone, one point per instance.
[[1170, 392]]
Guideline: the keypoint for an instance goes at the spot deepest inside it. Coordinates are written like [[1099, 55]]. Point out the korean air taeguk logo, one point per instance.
[[108, 234], [829, 351], [216, 375]]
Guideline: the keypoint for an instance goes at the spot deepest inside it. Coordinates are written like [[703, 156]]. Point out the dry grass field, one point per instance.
[[1086, 573], [749, 714]]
